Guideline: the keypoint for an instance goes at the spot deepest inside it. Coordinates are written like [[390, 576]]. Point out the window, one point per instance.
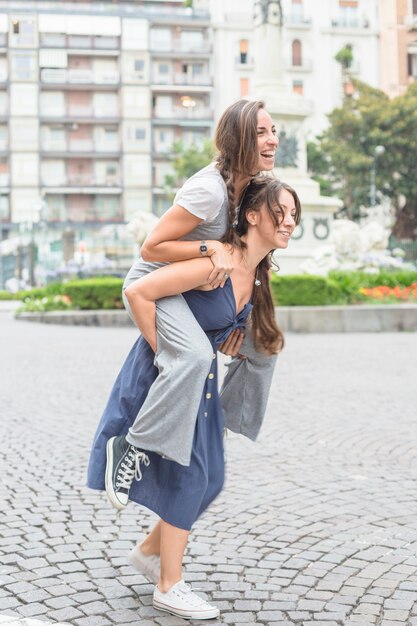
[[140, 134], [53, 103], [163, 68], [107, 208], [191, 40], [297, 59], [23, 32], [296, 11], [244, 87], [298, 87], [412, 65], [23, 66], [161, 39], [4, 207], [243, 51], [414, 7], [348, 12], [139, 65], [55, 208], [3, 137]]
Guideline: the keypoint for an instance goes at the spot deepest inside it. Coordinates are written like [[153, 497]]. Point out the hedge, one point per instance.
[[305, 290], [288, 290]]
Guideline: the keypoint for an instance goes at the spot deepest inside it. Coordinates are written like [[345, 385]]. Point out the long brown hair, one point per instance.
[[237, 142], [263, 191]]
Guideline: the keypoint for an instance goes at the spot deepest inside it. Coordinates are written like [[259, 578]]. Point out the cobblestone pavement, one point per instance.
[[317, 523]]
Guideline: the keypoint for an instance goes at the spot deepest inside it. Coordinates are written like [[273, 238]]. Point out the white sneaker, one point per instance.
[[180, 600], [149, 566]]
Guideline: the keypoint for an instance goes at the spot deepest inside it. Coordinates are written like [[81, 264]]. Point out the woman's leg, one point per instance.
[[152, 543], [172, 594], [172, 548]]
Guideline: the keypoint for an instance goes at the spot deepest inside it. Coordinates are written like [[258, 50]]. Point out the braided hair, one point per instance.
[[237, 143]]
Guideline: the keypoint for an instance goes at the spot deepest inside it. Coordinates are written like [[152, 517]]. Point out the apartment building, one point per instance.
[[92, 97], [313, 33], [398, 45]]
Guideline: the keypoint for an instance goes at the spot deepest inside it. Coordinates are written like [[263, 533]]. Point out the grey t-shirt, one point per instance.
[[203, 195]]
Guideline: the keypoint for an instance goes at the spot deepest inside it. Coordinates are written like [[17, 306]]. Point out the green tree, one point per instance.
[[186, 162], [367, 119]]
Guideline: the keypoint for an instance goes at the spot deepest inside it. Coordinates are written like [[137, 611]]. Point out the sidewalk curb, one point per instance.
[[298, 319]]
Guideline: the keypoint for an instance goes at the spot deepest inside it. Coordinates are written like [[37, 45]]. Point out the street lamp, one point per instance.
[[379, 151]]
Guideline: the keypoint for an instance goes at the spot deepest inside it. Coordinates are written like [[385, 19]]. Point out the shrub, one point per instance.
[[90, 293], [351, 283], [93, 293], [47, 303], [305, 290]]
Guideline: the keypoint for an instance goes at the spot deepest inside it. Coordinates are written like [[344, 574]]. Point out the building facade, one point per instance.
[[92, 99], [398, 45], [312, 37], [93, 96]]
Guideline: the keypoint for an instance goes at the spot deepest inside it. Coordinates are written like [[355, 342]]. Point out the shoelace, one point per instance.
[[192, 598], [131, 468]]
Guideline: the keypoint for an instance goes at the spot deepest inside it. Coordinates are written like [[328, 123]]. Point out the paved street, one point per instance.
[[317, 523]]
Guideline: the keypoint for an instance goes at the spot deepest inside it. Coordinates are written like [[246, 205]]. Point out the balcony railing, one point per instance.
[[182, 79], [86, 42], [79, 145], [297, 20], [80, 111], [305, 66], [203, 47], [79, 77], [3, 40], [184, 113], [350, 23], [85, 180]]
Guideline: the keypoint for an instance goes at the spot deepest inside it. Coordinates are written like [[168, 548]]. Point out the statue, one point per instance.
[[268, 12]]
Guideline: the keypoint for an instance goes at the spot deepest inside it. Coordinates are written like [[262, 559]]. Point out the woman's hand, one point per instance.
[[232, 345], [221, 258]]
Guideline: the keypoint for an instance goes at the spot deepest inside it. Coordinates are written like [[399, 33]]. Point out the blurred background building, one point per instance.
[[93, 96]]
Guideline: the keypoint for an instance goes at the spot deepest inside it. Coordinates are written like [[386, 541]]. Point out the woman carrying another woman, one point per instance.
[[203, 211], [177, 493]]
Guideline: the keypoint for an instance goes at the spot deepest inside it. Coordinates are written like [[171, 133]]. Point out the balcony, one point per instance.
[[350, 24], [203, 80], [82, 184], [306, 65], [244, 62], [183, 113], [80, 147], [87, 43], [182, 48], [297, 21], [65, 78]]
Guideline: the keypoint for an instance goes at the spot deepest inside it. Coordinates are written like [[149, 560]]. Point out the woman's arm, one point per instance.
[[165, 281], [162, 244]]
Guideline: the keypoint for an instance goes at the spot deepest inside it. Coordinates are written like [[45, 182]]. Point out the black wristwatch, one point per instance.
[[203, 248]]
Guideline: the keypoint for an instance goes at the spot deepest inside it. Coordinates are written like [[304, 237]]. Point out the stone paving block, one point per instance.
[[248, 605], [65, 614], [243, 618], [33, 610], [95, 608], [96, 620]]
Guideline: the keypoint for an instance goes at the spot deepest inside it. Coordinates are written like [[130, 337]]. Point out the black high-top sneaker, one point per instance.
[[123, 465]]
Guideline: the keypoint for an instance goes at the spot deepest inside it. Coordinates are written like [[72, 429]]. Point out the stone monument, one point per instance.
[[289, 110]]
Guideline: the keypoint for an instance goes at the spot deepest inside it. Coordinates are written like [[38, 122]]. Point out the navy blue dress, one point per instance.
[[177, 493]]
